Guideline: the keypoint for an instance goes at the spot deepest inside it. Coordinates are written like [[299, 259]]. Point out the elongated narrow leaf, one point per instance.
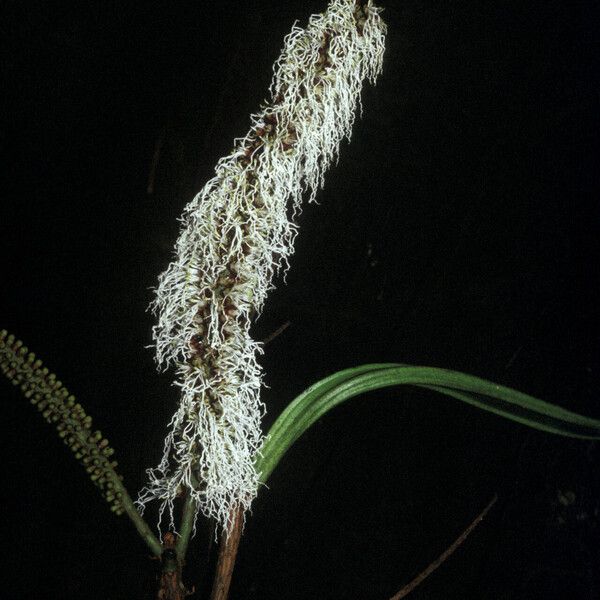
[[321, 397]]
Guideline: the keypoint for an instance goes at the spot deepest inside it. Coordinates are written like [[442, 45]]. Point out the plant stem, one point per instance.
[[170, 584], [228, 548], [187, 525], [129, 507], [142, 527]]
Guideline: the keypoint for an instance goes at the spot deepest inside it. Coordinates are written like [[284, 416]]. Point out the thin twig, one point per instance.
[[155, 158], [277, 332], [408, 588], [228, 548]]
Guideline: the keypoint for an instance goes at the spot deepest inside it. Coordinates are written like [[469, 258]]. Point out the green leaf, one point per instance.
[[324, 395]]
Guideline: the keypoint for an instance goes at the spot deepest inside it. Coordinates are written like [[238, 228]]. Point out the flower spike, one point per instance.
[[59, 408], [236, 235]]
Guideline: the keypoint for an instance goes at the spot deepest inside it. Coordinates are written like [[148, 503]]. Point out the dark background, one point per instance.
[[460, 230]]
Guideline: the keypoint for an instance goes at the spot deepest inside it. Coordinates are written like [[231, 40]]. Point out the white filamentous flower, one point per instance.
[[236, 234]]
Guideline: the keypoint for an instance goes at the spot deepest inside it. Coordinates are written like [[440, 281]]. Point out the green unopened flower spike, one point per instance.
[[53, 401], [236, 235]]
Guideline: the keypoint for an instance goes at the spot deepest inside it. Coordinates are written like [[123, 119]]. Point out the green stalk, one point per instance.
[[138, 521], [187, 526]]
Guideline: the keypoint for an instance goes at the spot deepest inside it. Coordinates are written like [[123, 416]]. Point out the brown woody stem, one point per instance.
[[170, 585], [228, 548]]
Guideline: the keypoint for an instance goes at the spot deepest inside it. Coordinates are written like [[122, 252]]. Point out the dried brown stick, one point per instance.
[[409, 587], [228, 548], [155, 158], [277, 332]]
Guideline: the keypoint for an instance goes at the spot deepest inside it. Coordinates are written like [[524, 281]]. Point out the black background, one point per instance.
[[460, 230]]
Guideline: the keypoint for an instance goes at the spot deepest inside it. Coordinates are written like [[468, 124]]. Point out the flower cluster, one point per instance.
[[237, 233], [60, 408]]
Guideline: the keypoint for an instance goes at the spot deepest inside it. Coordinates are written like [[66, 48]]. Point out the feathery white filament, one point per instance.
[[236, 234]]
